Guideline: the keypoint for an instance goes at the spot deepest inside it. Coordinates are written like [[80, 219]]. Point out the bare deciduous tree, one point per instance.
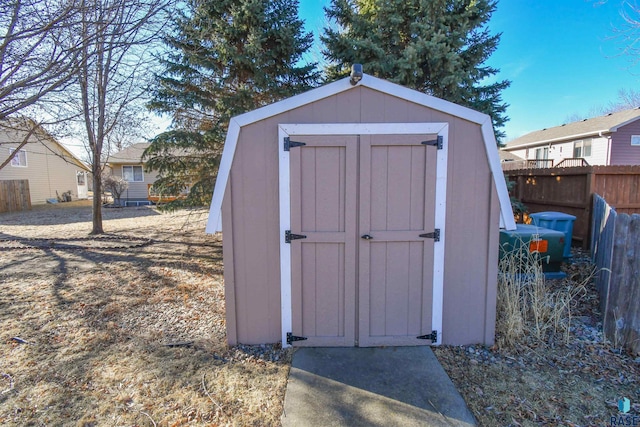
[[85, 60], [630, 32], [116, 186], [115, 63], [627, 99], [39, 54], [39, 57]]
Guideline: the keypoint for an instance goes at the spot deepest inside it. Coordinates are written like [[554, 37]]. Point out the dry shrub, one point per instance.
[[531, 309]]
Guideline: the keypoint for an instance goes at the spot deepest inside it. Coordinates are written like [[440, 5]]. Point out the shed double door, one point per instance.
[[363, 274]]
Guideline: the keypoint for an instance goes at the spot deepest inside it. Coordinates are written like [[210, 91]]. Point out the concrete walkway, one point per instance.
[[394, 386]]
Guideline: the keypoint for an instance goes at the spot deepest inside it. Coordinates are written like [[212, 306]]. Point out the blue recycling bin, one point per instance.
[[558, 221]]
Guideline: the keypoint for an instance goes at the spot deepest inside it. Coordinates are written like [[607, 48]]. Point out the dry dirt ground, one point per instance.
[[130, 331], [126, 331]]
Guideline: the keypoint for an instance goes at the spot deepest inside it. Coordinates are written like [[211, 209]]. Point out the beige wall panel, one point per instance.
[[493, 243], [347, 107], [372, 107], [468, 198], [254, 200], [45, 171]]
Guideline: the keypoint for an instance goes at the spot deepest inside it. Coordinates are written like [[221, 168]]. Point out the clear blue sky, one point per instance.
[[562, 57]]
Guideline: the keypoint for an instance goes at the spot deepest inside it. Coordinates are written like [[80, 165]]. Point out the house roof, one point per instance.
[[214, 222], [581, 129], [132, 154], [23, 124], [506, 156]]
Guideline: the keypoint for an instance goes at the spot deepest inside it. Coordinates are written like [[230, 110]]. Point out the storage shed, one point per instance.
[[360, 213]]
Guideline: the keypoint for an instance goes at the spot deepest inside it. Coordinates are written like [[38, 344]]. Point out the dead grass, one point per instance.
[[550, 365], [97, 322], [530, 307]]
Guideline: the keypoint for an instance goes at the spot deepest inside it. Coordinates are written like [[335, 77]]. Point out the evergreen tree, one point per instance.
[[435, 46], [227, 57]]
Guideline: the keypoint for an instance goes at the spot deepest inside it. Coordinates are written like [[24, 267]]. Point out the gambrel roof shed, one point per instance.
[[360, 214]]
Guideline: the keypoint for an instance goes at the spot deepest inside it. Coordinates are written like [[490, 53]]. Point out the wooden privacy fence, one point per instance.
[[570, 190], [615, 248], [14, 195]]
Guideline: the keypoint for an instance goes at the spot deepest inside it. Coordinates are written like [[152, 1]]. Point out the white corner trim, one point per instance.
[[506, 212], [214, 222], [363, 128], [441, 129], [442, 157], [286, 313]]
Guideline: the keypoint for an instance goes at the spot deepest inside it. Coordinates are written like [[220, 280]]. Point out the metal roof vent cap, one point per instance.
[[356, 74]]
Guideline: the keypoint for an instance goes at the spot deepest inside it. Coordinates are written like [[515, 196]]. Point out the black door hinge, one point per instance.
[[291, 338], [290, 144], [435, 235], [433, 336], [438, 143], [289, 236]]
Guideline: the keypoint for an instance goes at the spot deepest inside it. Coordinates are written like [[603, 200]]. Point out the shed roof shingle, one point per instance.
[[584, 128]]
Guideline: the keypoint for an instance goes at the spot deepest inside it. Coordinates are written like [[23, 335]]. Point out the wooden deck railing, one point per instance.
[[156, 197], [572, 163], [540, 163]]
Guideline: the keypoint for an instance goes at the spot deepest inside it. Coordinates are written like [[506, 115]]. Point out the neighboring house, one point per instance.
[[511, 161], [613, 139], [128, 164], [49, 167]]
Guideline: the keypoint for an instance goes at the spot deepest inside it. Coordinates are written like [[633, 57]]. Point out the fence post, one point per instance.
[[588, 197]]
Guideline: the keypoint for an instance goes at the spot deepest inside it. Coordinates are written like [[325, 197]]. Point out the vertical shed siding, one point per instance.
[[622, 152], [253, 196], [468, 207]]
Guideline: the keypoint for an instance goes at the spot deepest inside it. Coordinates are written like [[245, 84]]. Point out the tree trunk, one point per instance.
[[97, 198]]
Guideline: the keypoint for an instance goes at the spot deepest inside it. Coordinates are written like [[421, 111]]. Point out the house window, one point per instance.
[[20, 159], [582, 148], [635, 140], [132, 173], [542, 157], [542, 153], [80, 178]]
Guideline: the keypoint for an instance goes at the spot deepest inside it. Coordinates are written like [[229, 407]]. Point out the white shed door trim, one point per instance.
[[287, 130]]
